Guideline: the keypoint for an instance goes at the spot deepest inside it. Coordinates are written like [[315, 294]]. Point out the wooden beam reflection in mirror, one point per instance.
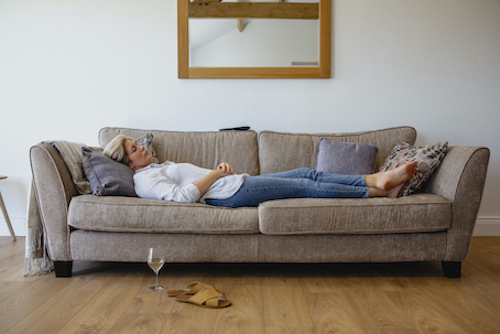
[[320, 11], [241, 25], [262, 10]]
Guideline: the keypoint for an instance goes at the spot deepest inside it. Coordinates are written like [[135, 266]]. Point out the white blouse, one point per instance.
[[175, 182]]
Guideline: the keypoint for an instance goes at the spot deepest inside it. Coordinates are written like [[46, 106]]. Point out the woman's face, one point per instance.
[[138, 156]]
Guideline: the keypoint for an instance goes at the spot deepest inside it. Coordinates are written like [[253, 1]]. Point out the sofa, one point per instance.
[[435, 223]]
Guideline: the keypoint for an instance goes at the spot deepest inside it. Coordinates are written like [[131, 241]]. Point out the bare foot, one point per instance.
[[391, 193], [391, 179], [394, 192]]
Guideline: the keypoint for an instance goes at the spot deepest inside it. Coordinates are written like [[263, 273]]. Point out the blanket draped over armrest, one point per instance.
[[37, 261]]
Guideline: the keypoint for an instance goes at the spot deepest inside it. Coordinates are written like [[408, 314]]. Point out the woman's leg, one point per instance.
[[258, 189], [304, 182], [314, 175], [381, 180]]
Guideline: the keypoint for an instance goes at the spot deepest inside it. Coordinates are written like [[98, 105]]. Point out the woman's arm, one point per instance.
[[222, 170]]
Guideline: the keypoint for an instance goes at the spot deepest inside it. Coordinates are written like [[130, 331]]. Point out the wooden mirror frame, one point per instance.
[[185, 71]]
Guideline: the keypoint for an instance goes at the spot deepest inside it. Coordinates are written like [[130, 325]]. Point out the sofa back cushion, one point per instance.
[[204, 149], [280, 151]]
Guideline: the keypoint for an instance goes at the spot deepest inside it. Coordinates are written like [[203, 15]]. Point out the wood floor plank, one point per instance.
[[289, 330], [17, 307], [423, 314], [376, 308], [5, 241], [11, 267], [331, 312], [9, 247], [61, 307], [186, 318], [145, 323], [285, 304], [8, 288], [103, 311], [466, 313], [149, 310], [246, 313]]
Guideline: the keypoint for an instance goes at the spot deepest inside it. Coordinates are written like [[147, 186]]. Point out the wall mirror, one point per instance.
[[254, 38]]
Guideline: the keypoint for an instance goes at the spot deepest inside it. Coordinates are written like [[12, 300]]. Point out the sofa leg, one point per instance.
[[452, 269], [63, 269]]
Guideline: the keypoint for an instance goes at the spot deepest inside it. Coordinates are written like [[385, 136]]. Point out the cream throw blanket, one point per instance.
[[36, 260]]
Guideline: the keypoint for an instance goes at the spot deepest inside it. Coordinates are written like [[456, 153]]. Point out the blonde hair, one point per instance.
[[116, 149]]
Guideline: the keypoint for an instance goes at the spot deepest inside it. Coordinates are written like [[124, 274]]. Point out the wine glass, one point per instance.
[[155, 262]]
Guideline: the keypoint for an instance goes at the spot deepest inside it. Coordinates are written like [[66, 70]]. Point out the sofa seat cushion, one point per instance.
[[415, 213], [129, 214]]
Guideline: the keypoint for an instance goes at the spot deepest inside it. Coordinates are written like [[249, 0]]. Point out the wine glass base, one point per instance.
[[156, 288]]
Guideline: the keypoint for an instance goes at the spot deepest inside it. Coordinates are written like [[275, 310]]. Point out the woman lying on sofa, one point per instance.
[[187, 183]]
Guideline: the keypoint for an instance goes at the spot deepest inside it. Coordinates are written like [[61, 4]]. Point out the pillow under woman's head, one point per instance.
[[106, 176]]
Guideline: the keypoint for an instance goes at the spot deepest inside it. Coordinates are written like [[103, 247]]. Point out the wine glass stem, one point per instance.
[[156, 285]]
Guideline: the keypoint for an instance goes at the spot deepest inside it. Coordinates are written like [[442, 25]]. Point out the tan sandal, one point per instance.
[[190, 289], [207, 297]]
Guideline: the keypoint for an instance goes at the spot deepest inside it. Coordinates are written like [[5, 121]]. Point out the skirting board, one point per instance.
[[485, 226]]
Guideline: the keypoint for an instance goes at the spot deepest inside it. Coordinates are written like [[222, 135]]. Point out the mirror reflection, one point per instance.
[[260, 43]]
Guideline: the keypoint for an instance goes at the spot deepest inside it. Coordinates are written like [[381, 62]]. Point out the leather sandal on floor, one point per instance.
[[207, 297], [190, 289]]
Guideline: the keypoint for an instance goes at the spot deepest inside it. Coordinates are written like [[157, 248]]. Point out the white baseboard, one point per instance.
[[485, 226]]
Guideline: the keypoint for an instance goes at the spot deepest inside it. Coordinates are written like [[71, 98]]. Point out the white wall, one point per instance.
[[68, 68]]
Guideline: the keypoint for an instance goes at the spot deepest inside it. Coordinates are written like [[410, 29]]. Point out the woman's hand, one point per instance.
[[222, 170], [225, 168]]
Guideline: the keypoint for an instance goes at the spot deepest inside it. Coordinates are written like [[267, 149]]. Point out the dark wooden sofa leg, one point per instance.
[[63, 269], [452, 269]]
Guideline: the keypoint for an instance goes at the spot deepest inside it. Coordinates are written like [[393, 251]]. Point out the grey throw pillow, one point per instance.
[[345, 158], [106, 176]]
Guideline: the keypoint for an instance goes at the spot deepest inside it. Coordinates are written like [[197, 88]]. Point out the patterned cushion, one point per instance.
[[428, 159], [147, 142], [339, 157]]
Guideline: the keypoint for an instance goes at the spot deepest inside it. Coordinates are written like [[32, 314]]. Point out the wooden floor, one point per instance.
[[336, 298]]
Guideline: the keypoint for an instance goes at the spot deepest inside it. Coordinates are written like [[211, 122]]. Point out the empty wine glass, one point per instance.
[[155, 262]]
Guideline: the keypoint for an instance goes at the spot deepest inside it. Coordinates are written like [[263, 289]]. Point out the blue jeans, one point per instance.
[[297, 183]]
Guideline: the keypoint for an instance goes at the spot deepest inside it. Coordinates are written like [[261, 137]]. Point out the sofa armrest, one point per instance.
[[54, 189], [460, 178]]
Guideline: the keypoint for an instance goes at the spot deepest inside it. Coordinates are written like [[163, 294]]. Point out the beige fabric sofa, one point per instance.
[[435, 225]]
